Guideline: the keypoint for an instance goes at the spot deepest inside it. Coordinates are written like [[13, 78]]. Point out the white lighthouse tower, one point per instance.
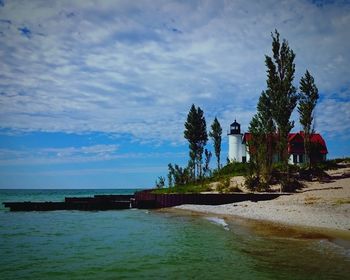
[[236, 150]]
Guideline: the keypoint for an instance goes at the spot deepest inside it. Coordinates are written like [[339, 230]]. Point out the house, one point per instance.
[[239, 149], [296, 148]]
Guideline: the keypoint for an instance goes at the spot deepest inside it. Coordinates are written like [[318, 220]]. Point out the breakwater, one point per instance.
[[142, 200], [146, 199], [97, 202]]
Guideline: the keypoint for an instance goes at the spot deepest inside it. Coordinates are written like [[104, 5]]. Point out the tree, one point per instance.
[[160, 183], [202, 139], [170, 175], [197, 137], [206, 168], [190, 133], [191, 169], [180, 176], [281, 93], [307, 103], [257, 149], [262, 144], [215, 135]]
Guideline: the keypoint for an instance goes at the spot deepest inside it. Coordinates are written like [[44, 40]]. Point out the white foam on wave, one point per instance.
[[218, 221]]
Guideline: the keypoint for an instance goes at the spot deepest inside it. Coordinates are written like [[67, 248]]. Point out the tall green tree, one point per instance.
[[215, 135], [256, 146], [307, 103], [206, 168], [160, 183], [197, 137], [191, 134], [170, 175], [263, 129], [178, 174], [202, 139], [281, 92]]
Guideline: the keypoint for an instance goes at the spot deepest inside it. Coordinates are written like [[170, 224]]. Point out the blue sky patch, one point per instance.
[[25, 32]]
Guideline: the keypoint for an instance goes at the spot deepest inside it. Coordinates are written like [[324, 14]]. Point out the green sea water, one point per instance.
[[140, 244]]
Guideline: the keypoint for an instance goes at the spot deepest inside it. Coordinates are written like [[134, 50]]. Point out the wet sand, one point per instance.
[[320, 210]]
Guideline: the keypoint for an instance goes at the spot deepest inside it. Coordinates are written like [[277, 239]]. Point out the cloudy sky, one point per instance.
[[95, 93]]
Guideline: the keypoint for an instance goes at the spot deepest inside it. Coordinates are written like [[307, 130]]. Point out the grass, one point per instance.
[[189, 188], [230, 170], [342, 201], [224, 174], [311, 200]]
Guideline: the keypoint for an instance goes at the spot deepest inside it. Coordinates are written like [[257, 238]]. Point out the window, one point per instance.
[[295, 158], [301, 158]]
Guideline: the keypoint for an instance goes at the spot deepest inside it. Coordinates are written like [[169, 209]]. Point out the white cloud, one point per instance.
[[332, 117], [58, 155], [135, 67], [84, 154], [89, 171]]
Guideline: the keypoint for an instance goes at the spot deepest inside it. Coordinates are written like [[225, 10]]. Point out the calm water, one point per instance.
[[134, 244]]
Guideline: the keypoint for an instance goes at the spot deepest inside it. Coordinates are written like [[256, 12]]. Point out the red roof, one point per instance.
[[296, 142], [317, 138], [247, 137]]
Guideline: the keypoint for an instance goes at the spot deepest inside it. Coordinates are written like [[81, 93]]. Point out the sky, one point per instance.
[[94, 94]]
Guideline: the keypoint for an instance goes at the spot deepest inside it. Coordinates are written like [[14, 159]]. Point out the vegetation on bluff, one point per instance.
[[201, 185]]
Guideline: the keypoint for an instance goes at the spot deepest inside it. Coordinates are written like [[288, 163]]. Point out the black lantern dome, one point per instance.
[[235, 128]]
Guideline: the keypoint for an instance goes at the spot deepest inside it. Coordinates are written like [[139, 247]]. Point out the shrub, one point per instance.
[[234, 188], [220, 187], [292, 185], [344, 160], [223, 185], [254, 183], [327, 165]]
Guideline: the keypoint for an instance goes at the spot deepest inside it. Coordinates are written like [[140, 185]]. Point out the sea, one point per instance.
[[151, 244]]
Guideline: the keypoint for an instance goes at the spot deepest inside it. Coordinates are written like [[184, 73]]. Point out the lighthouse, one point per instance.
[[236, 150]]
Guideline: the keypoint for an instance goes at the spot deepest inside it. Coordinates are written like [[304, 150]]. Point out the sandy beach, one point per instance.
[[322, 205]]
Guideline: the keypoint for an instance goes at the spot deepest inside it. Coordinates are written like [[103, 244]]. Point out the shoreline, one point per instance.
[[319, 210], [286, 215], [268, 228]]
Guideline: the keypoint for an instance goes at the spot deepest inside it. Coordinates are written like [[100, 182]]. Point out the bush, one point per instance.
[[234, 188], [223, 185], [305, 174], [292, 185], [343, 160], [220, 187], [253, 183], [317, 172], [327, 165]]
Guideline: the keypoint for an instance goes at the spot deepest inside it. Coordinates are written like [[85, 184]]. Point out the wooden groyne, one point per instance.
[[98, 202], [142, 200], [146, 199]]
